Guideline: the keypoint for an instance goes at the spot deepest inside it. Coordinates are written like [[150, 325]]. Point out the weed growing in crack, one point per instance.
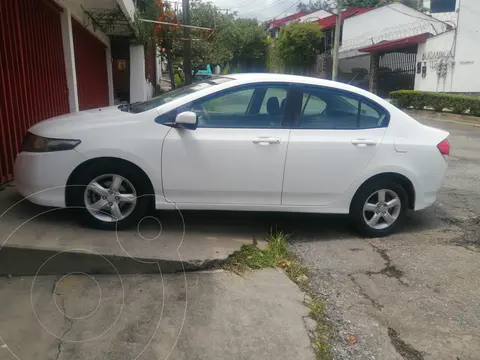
[[276, 255], [322, 330], [251, 257]]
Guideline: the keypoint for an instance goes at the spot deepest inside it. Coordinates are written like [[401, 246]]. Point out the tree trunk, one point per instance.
[[170, 68], [374, 63]]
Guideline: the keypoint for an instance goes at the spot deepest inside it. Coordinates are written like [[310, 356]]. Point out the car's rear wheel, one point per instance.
[[110, 196], [379, 208]]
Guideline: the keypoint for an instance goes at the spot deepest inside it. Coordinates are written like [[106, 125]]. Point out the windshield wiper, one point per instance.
[[128, 107]]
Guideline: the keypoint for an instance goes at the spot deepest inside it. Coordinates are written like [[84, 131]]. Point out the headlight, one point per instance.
[[35, 143]]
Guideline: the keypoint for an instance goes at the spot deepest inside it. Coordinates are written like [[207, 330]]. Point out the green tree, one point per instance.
[[415, 4], [315, 5], [297, 45], [249, 44], [241, 42]]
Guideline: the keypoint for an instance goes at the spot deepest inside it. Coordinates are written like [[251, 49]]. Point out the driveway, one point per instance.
[[414, 295]]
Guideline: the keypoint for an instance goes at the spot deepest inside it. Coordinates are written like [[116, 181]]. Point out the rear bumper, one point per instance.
[[425, 201], [430, 184], [42, 177]]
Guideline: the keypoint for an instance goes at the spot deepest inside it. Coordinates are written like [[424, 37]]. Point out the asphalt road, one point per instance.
[[414, 295]]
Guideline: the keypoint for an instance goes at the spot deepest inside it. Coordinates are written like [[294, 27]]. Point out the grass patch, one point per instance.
[[322, 330], [251, 257], [276, 255]]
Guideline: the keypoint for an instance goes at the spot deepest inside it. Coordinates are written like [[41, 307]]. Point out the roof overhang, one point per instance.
[[112, 17], [399, 44]]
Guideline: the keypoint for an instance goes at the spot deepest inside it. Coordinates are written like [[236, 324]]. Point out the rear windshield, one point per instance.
[[172, 95]]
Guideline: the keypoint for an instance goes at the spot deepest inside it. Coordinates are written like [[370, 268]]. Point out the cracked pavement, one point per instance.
[[198, 315], [414, 295]]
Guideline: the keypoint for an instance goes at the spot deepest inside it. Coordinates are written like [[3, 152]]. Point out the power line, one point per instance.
[[427, 17], [287, 9], [241, 3], [266, 7]]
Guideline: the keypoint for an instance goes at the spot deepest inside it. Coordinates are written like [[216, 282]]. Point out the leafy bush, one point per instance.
[[297, 45], [178, 80], [273, 60], [458, 104]]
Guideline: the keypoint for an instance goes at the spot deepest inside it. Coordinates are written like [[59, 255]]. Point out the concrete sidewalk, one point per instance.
[[207, 315], [32, 236]]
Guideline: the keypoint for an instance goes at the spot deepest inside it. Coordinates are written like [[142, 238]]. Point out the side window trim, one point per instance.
[[167, 117], [361, 100], [306, 103], [359, 109]]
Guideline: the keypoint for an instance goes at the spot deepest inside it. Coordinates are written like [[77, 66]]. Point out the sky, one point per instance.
[[265, 9], [261, 9]]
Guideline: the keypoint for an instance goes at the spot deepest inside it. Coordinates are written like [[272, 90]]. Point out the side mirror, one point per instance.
[[187, 119]]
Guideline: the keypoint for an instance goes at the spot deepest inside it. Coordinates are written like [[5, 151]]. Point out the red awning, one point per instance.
[[330, 21], [280, 22], [386, 46]]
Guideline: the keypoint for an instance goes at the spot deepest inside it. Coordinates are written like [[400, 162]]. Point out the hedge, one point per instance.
[[458, 104]]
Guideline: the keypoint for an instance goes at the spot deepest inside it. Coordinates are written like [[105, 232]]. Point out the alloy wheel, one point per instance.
[[110, 197], [382, 209]]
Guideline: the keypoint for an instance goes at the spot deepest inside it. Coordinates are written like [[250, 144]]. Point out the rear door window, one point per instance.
[[324, 108]]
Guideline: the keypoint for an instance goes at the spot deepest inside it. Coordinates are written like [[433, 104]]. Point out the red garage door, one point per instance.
[[91, 64], [33, 84]]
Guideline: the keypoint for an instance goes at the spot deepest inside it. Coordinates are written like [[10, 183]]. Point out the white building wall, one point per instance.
[[467, 48], [111, 90], [434, 52], [69, 55], [389, 22], [317, 15], [128, 8], [74, 9], [459, 49], [138, 86]]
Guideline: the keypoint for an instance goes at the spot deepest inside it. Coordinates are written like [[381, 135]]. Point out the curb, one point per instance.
[[17, 261], [441, 116]]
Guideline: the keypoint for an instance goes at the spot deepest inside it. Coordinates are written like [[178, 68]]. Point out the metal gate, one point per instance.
[[396, 72], [33, 84], [91, 66]]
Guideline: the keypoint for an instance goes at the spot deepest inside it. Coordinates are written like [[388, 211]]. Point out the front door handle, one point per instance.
[[265, 141], [364, 142]]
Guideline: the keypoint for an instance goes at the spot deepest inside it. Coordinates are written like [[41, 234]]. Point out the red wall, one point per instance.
[[91, 64], [33, 84]]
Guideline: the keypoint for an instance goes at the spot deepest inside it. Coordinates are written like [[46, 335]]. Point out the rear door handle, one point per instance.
[[265, 141], [364, 142]]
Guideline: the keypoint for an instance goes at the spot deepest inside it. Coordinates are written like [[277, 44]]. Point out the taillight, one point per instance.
[[444, 147]]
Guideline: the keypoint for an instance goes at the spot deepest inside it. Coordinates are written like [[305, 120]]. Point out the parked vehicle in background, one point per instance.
[[207, 70], [250, 142]]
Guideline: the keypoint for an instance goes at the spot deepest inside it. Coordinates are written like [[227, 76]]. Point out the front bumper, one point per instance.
[[42, 177]]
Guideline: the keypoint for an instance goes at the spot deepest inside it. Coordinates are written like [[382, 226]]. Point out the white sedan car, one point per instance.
[[249, 142]]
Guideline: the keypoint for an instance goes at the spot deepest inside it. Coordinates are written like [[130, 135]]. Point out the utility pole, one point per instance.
[[187, 45], [336, 41]]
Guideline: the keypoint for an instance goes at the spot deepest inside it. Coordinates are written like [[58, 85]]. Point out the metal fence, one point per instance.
[[396, 72]]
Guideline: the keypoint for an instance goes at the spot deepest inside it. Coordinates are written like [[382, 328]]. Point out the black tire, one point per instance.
[[361, 197], [129, 172]]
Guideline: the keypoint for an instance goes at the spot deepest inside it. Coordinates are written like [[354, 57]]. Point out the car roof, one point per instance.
[[308, 80]]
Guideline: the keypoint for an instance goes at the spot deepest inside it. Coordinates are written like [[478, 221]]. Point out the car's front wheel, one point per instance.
[[379, 208], [110, 196]]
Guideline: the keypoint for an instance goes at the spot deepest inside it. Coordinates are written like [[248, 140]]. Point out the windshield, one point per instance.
[[174, 94]]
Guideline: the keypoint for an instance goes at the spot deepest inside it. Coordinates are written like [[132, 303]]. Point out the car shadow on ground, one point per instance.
[[300, 226]]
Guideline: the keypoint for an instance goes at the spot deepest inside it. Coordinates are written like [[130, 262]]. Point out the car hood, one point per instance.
[[67, 124]]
